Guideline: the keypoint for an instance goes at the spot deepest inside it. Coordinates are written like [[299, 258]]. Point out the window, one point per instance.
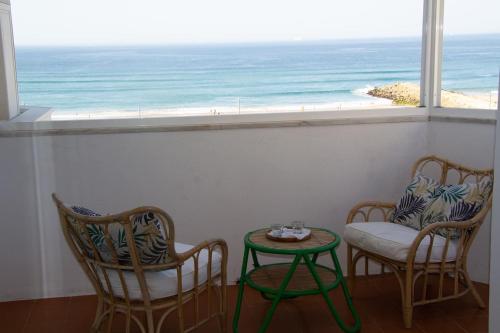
[[471, 54], [8, 89], [220, 57]]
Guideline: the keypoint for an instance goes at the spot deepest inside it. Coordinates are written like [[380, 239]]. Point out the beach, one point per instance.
[[374, 103], [169, 80], [405, 93], [395, 95]]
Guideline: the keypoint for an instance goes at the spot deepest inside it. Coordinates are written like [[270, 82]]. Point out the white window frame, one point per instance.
[[430, 75], [9, 97]]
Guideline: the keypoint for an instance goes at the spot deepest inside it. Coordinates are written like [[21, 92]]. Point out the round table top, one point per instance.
[[321, 240]]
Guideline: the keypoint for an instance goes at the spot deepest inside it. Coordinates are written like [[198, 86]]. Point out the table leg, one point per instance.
[[256, 264], [281, 290], [241, 287], [255, 259], [315, 257], [324, 292], [345, 289]]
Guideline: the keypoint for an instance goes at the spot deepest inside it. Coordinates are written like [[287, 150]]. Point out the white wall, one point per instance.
[[472, 145], [219, 183], [20, 258], [213, 183], [494, 321]]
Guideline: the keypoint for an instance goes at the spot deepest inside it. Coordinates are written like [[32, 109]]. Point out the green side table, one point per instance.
[[303, 276]]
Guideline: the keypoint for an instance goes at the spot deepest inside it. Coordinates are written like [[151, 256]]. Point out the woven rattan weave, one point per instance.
[[410, 274], [99, 271]]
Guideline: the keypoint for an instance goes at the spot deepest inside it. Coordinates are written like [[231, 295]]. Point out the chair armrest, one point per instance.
[[179, 258], [431, 230], [205, 245], [365, 209]]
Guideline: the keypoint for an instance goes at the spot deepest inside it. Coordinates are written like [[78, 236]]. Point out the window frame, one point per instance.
[[430, 74], [8, 74], [437, 107]]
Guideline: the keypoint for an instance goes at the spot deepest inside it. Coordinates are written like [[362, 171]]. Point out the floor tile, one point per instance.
[[476, 324], [377, 300], [14, 315]]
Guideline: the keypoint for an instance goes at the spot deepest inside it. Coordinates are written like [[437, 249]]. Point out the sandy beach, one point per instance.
[[388, 96], [370, 103], [403, 93]]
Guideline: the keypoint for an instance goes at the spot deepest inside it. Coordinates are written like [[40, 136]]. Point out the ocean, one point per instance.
[[128, 78]]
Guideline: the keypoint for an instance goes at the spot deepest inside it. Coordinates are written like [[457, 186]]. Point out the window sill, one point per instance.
[[463, 115], [33, 122]]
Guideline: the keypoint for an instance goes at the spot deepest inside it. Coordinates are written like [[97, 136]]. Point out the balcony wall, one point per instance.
[[219, 183], [472, 144]]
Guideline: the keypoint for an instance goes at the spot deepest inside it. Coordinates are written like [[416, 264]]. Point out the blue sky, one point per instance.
[[108, 22]]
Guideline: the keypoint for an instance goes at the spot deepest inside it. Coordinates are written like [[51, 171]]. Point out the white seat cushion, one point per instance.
[[164, 283], [393, 241]]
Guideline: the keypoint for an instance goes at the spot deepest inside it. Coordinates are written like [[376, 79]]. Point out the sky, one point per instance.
[[129, 22]]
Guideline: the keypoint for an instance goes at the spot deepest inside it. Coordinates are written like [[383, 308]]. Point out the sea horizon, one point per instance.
[[254, 42], [243, 75]]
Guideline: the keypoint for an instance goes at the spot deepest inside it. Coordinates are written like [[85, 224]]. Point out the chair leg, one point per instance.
[[97, 320], [222, 321], [150, 321], [408, 300], [224, 306], [408, 316], [473, 289], [222, 313], [180, 316]]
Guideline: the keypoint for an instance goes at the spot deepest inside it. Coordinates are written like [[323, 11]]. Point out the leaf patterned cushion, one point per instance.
[[417, 196], [148, 233], [457, 203], [150, 238], [94, 230]]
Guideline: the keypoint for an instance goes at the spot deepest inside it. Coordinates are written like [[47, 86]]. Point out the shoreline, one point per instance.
[[408, 94], [394, 95], [372, 103]]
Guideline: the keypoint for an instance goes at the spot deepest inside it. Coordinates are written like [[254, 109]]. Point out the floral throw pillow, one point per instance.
[[149, 237], [417, 196], [95, 232], [457, 203]]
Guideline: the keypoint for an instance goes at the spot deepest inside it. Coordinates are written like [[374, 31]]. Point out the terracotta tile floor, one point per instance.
[[376, 299]]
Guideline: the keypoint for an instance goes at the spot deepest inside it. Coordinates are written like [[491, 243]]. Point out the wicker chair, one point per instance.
[[132, 287], [423, 261]]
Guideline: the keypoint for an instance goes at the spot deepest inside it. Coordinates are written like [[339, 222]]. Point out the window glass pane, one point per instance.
[[216, 57], [471, 54]]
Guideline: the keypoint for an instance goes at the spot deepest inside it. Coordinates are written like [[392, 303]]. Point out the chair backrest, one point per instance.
[[133, 241], [450, 173], [447, 172]]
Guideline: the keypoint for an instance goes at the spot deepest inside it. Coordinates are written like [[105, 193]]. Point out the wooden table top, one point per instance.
[[319, 238]]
